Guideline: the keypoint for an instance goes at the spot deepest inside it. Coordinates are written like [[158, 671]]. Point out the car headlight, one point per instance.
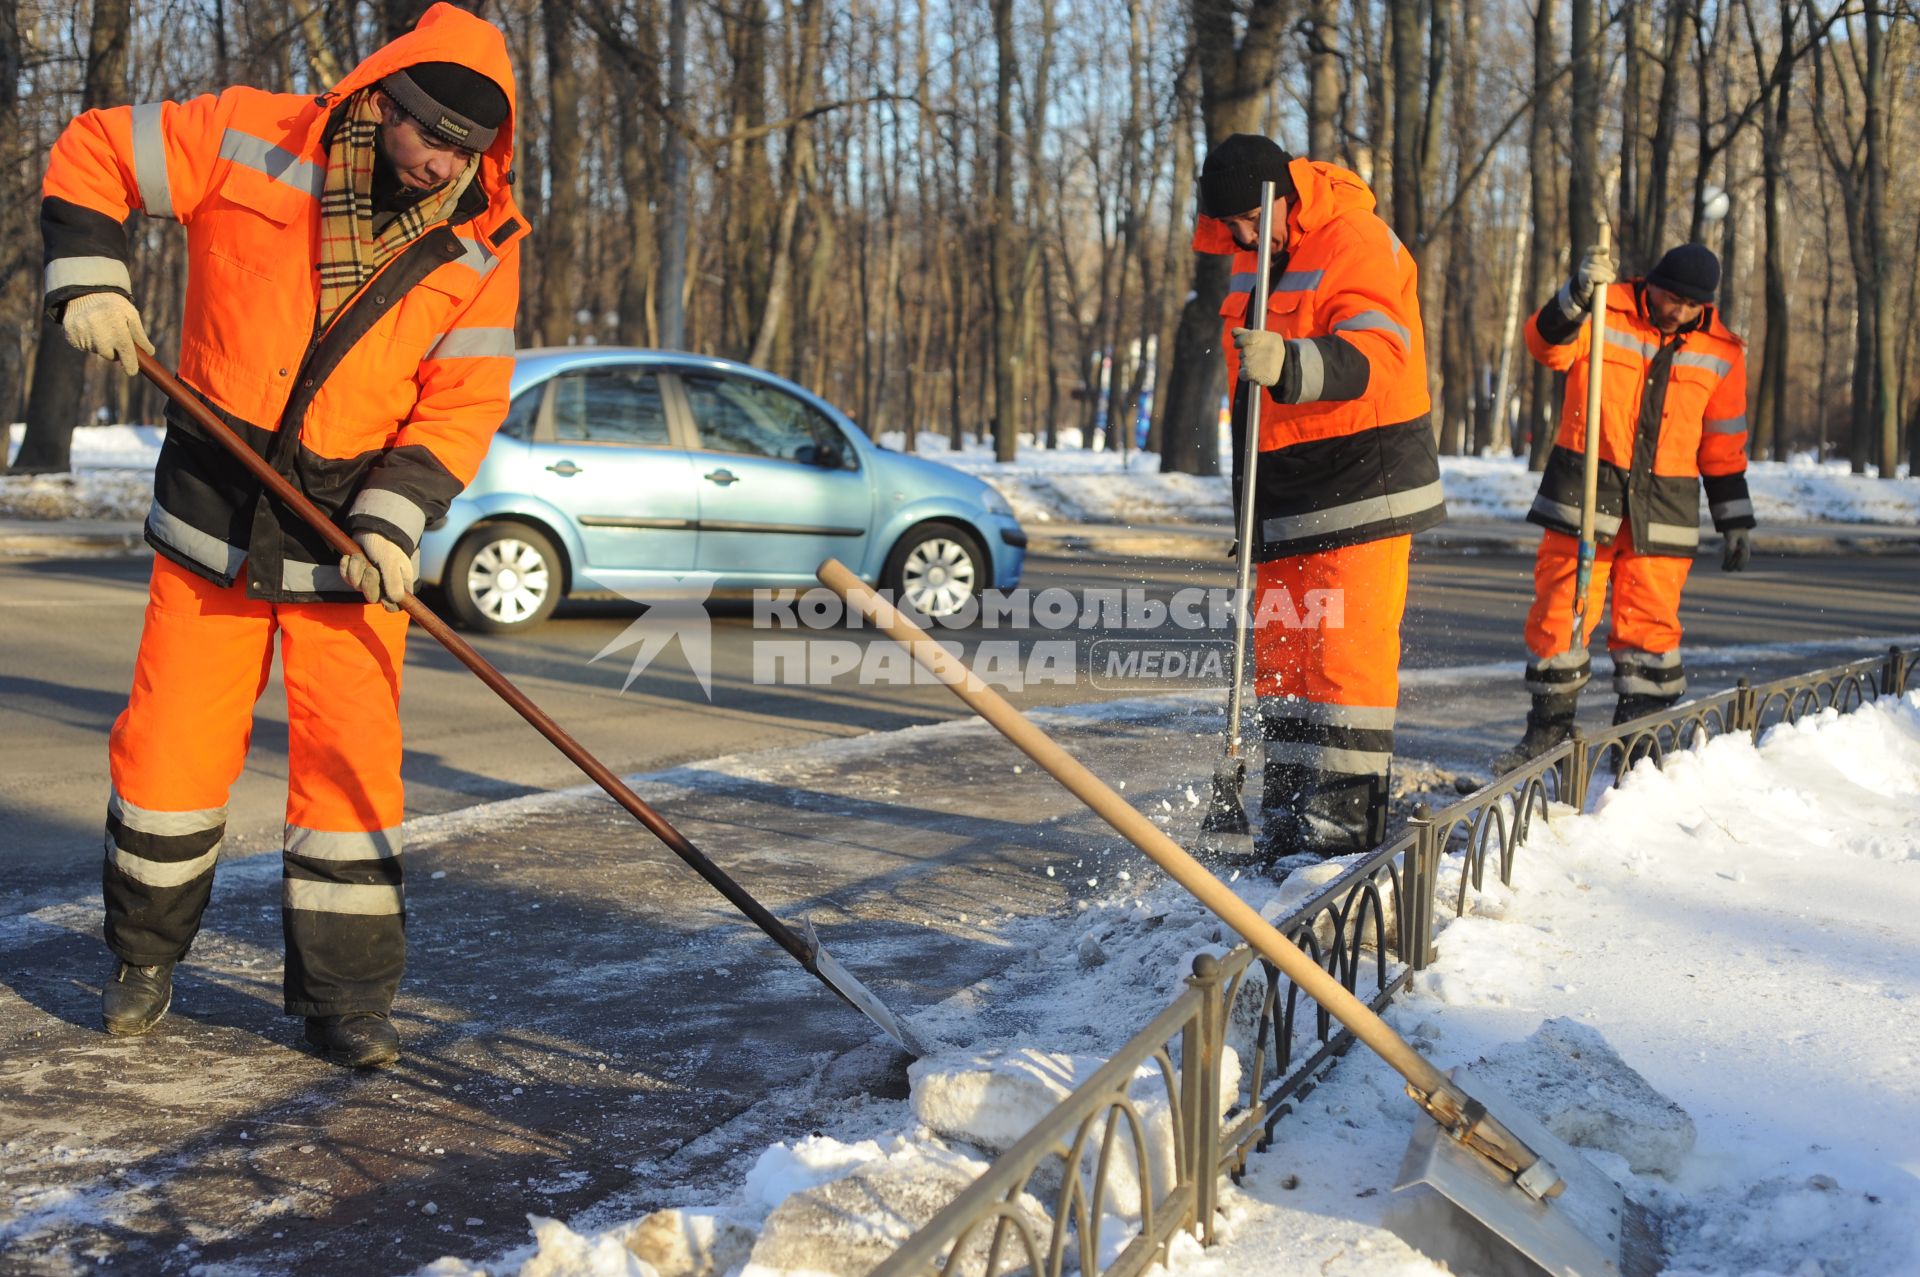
[[993, 503]]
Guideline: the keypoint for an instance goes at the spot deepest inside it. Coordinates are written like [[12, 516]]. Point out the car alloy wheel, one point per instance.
[[509, 580], [938, 576]]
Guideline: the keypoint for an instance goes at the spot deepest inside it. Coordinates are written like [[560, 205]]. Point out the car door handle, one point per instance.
[[565, 469], [722, 477]]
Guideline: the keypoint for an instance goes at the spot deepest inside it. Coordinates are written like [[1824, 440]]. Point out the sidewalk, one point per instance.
[[591, 1033]]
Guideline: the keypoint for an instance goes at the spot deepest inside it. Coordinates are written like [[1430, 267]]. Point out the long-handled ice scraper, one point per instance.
[[1226, 807], [1538, 1196], [1590, 471], [804, 948]]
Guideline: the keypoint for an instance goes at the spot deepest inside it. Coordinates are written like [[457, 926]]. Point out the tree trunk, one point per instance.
[[1883, 429], [670, 303], [1002, 248], [1323, 69], [1583, 174], [1543, 264], [1177, 255], [560, 229], [54, 404]]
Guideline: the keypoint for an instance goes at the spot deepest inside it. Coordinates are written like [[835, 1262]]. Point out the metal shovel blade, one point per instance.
[[1226, 811], [843, 982], [1461, 1209]]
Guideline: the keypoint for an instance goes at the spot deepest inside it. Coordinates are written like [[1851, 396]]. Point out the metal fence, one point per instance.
[[1136, 1153]]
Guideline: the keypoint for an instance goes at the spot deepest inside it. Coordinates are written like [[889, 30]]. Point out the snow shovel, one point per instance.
[[1534, 1195], [1226, 808], [806, 950]]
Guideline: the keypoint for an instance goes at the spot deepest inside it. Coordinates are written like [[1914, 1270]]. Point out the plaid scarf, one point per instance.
[[351, 252]]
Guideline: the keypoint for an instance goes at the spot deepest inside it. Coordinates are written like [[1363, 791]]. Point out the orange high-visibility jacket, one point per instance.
[[385, 415], [1346, 444], [1673, 414]]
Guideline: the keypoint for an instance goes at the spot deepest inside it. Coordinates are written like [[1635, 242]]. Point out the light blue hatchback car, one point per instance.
[[627, 470]]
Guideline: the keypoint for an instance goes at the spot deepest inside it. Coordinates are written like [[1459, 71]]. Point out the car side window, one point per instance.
[[733, 414], [523, 413], [610, 405]]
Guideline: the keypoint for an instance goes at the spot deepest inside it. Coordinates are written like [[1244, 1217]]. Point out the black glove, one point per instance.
[[1739, 549]]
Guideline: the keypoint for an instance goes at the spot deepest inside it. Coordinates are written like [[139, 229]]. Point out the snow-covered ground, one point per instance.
[[111, 480], [1076, 486], [1738, 928]]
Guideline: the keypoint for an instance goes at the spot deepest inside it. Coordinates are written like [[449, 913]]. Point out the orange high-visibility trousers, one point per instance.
[[1326, 645], [1643, 636], [205, 655]]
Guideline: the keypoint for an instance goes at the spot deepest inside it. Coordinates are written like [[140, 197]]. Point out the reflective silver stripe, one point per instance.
[[162, 873], [1354, 514], [1724, 510], [150, 160], [1724, 426], [1627, 341], [473, 343], [165, 824], [476, 256], [1602, 522], [1347, 762], [1375, 321], [1313, 368], [1299, 281], [1634, 685], [313, 578], [1368, 717], [202, 547], [1572, 660], [1398, 247], [341, 897], [1653, 660], [1673, 533], [1242, 281], [322, 844], [281, 165], [1716, 364], [88, 272], [402, 513]]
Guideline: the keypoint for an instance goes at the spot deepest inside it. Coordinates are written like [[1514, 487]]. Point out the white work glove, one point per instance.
[[107, 325], [1595, 271], [382, 570], [1738, 551], [1263, 355]]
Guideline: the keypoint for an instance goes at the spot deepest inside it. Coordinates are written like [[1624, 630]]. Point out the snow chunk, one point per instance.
[[690, 1243], [1569, 1077]]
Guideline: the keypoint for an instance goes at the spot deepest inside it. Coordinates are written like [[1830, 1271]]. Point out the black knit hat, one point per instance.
[[1690, 271], [1230, 179], [454, 103]]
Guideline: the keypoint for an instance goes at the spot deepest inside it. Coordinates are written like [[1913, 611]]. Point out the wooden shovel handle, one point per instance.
[[1431, 1088]]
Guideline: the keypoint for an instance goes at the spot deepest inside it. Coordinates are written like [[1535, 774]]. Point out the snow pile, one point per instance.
[[112, 477], [1709, 984]]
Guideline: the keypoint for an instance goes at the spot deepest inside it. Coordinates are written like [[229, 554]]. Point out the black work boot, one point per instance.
[[1308, 815], [362, 1040], [1549, 722], [1632, 705], [135, 998]]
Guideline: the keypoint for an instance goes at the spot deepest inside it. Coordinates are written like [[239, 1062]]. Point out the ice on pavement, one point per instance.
[[1725, 947]]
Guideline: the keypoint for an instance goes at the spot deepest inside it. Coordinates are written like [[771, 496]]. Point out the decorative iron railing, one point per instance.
[[1136, 1153]]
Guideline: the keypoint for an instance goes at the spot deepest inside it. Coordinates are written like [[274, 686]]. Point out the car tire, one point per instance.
[[935, 569], [504, 578]]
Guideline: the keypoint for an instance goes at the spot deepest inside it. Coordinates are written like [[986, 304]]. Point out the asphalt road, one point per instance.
[[69, 632]]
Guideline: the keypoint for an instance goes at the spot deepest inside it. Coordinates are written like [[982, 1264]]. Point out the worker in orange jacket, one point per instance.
[[353, 276], [1673, 418], [1346, 473]]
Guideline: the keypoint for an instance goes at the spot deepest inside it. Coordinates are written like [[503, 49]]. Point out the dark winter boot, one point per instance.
[[1632, 705], [359, 1041], [135, 998], [1549, 722], [1308, 815]]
